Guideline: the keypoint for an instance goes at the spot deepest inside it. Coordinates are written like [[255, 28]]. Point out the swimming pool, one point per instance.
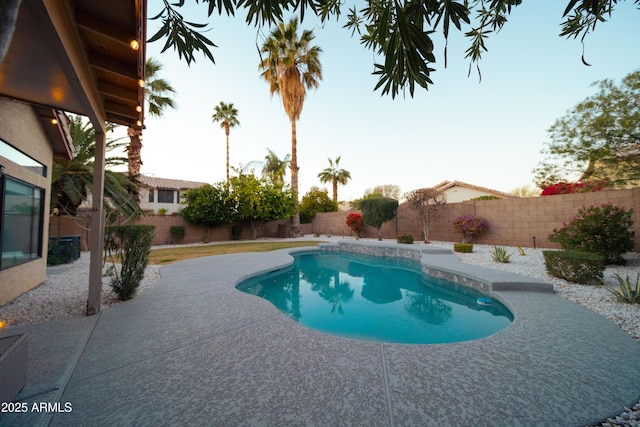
[[378, 299]]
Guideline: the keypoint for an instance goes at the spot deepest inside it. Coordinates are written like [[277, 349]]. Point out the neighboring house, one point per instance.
[[457, 191], [84, 57], [163, 193]]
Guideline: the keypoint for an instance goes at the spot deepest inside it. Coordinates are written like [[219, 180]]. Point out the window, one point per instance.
[[21, 219], [165, 196], [10, 152], [151, 193]]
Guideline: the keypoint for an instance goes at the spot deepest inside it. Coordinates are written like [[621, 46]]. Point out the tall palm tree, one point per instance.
[[158, 96], [291, 66], [72, 180], [228, 118], [335, 175]]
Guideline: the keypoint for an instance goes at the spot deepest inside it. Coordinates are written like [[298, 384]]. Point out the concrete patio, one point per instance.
[[193, 350]]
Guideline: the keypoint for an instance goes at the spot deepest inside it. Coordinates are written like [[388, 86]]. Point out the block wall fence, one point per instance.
[[512, 222]]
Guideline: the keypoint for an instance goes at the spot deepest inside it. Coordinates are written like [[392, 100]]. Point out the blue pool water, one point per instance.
[[377, 298]]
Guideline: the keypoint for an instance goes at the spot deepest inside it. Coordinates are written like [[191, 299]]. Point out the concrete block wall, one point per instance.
[[511, 221]]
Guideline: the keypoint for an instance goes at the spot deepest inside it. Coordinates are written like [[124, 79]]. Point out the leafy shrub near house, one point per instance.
[[465, 248], [177, 232], [405, 238], [574, 266], [130, 244], [470, 226], [604, 229]]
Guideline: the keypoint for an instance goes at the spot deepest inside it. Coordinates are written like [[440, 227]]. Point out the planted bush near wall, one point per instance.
[[470, 226], [574, 266], [466, 248], [604, 229], [405, 238], [130, 244], [177, 232]]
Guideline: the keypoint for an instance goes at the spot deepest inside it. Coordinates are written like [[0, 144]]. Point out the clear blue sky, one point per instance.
[[486, 133]]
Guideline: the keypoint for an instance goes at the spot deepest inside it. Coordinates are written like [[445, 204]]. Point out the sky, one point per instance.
[[486, 132]]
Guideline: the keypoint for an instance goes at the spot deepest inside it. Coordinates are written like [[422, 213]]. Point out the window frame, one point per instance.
[[164, 192], [35, 238]]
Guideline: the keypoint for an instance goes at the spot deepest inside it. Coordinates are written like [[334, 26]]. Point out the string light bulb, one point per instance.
[[54, 121], [134, 44]]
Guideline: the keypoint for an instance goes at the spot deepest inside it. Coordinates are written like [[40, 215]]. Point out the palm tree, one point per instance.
[[335, 175], [290, 67], [158, 96], [72, 180], [228, 118]]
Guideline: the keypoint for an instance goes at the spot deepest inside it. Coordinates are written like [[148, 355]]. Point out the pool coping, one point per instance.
[[196, 350], [442, 263]]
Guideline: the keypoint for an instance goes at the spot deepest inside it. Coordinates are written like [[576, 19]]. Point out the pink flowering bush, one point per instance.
[[604, 230], [574, 187], [470, 226], [355, 223]]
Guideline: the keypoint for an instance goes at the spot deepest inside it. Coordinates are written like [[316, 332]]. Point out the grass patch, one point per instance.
[[179, 253]]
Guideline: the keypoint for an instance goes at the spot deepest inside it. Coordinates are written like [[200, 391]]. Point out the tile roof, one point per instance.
[[167, 183], [445, 185]]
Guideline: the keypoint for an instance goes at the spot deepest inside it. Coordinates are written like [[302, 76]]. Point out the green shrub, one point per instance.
[[405, 238], [236, 232], [487, 198], [130, 244], [162, 211], [177, 232], [316, 200], [626, 291], [466, 248], [604, 229], [574, 266], [378, 210], [500, 254]]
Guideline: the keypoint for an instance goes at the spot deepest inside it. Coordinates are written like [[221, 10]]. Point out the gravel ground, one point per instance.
[[65, 292]]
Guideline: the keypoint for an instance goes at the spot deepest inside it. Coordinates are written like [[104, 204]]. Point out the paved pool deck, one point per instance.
[[193, 350]]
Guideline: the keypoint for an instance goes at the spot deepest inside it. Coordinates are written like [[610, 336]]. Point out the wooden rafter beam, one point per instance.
[[121, 110], [126, 95], [110, 66], [104, 29]]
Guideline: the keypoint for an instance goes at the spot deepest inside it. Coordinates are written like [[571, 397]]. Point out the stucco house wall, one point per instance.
[[151, 200], [461, 194], [21, 128]]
